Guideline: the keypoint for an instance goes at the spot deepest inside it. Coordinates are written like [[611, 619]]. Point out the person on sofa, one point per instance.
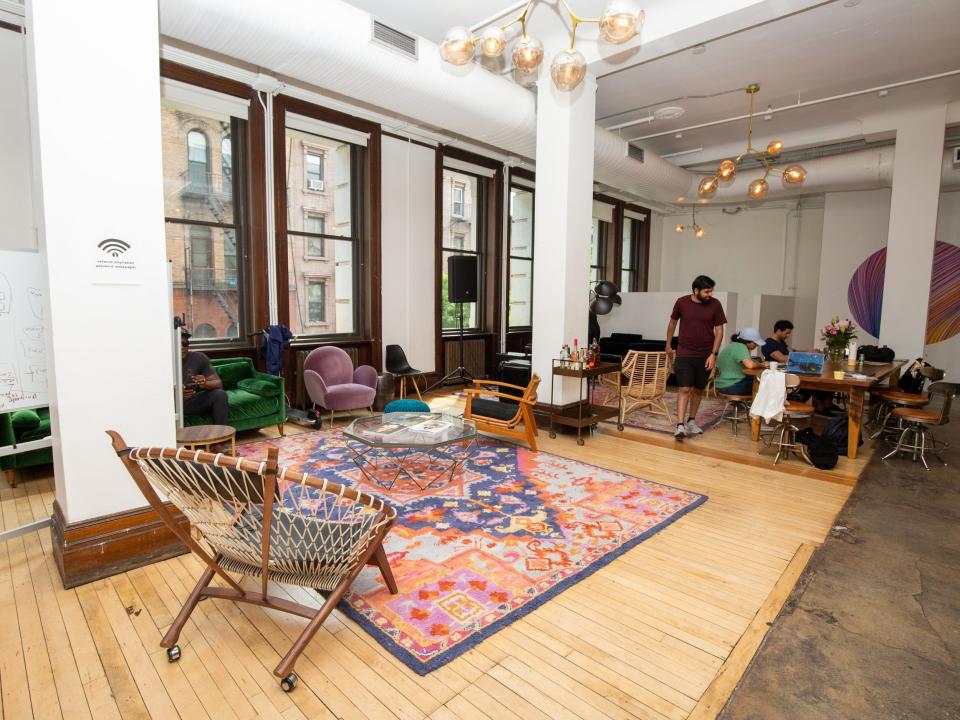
[[203, 391], [731, 380]]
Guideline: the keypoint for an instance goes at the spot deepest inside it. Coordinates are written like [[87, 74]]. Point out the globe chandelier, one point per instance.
[[698, 231], [727, 170], [621, 21]]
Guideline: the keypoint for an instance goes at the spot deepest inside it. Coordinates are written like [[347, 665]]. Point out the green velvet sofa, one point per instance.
[[22, 426], [256, 399]]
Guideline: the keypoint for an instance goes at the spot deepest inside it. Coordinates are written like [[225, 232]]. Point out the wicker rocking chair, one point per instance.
[[317, 534], [645, 375]]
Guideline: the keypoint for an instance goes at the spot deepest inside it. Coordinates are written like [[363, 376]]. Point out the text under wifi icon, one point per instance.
[[113, 246]]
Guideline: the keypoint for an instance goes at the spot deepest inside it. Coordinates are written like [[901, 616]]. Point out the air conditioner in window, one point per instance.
[[315, 185], [956, 156]]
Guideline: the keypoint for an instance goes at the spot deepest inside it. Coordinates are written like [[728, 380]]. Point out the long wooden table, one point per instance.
[[854, 389]]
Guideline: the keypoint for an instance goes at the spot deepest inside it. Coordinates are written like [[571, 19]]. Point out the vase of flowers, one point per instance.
[[837, 335]]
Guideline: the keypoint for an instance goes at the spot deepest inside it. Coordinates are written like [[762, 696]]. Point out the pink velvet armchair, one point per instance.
[[333, 384]]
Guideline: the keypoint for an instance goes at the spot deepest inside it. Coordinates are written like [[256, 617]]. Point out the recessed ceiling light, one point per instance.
[[678, 136], [701, 49], [671, 112], [883, 93], [851, 3]]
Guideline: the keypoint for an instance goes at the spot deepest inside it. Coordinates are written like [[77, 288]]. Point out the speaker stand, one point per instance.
[[460, 375]]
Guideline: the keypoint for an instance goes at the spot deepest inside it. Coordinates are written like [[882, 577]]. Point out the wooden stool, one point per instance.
[[738, 402]]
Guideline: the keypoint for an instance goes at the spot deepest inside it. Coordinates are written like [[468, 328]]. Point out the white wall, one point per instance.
[[946, 354], [648, 313], [111, 343], [767, 309], [408, 242], [16, 200]]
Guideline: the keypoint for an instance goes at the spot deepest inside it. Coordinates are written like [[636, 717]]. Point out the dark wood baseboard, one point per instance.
[[112, 544]]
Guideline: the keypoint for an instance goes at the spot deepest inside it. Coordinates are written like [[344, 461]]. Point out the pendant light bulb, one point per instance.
[[527, 54], [774, 147], [458, 46], [621, 21], [493, 41], [568, 69], [794, 174], [708, 186], [758, 188], [678, 228], [727, 170], [698, 231]]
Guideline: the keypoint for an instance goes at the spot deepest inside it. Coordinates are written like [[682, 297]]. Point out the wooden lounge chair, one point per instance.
[[321, 544], [504, 418]]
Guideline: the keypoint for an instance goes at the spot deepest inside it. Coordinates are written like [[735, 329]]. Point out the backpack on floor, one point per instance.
[[837, 432], [821, 451]]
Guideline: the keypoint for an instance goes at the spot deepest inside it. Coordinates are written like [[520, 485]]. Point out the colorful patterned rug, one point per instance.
[[512, 530], [708, 414]]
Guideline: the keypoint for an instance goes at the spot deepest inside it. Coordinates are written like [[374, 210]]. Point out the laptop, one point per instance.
[[805, 363]]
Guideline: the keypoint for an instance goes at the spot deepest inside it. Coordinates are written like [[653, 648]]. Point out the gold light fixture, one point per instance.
[[621, 21], [698, 231], [727, 170]]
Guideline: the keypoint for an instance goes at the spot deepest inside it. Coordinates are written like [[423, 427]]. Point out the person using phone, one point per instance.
[[203, 392]]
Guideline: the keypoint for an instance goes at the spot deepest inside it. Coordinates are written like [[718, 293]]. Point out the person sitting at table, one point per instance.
[[203, 392], [731, 378], [775, 348]]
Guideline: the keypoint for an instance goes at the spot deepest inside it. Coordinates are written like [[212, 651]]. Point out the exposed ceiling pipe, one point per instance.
[[328, 45]]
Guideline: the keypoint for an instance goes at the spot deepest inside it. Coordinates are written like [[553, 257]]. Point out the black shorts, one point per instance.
[[691, 372]]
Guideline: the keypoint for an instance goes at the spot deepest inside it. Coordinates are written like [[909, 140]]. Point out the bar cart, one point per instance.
[[587, 414]]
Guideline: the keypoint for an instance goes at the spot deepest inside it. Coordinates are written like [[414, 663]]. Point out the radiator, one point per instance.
[[474, 356], [300, 397]]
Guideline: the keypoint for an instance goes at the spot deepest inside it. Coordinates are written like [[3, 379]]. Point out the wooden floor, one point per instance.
[[664, 631]]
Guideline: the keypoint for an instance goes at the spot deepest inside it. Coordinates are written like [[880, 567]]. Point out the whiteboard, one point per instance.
[[23, 350]]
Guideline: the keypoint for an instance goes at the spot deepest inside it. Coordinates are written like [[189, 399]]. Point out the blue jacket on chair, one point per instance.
[[275, 342]]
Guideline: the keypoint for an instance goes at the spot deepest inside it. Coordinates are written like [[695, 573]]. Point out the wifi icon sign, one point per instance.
[[113, 246]]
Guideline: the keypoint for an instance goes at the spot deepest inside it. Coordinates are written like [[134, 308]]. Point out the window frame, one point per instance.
[[639, 260], [513, 184], [462, 188], [322, 282], [322, 155], [480, 219]]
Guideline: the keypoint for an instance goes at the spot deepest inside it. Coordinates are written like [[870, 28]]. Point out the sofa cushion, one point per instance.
[[349, 396], [245, 405], [41, 431], [232, 372], [25, 419], [262, 388]]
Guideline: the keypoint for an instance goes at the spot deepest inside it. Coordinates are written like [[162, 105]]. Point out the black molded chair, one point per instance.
[[398, 365]]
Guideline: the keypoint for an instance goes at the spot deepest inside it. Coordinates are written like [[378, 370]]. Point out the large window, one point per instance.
[[203, 216], [598, 251], [520, 259], [323, 233], [462, 234], [633, 255]]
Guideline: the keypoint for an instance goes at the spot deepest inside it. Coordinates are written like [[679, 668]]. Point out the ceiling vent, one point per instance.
[[394, 39], [635, 152]]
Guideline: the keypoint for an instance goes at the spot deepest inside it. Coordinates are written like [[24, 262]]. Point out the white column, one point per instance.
[[911, 235], [562, 223], [95, 116]]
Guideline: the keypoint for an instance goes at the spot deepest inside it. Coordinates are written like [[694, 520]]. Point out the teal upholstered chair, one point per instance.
[[23, 426], [256, 399]]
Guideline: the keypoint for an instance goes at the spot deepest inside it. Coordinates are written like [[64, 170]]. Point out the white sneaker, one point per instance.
[[680, 433], [692, 428]]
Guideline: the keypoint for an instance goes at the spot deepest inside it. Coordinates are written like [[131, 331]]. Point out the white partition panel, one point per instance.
[[648, 313]]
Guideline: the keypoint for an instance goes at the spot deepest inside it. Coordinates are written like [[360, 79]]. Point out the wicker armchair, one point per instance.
[[317, 534], [644, 375]]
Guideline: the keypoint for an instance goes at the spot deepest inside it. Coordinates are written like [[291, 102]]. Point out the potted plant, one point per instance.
[[837, 335]]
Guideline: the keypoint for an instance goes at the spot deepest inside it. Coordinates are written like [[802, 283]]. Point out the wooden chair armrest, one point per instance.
[[472, 392], [480, 383]]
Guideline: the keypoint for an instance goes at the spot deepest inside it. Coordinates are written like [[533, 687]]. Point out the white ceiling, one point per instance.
[[797, 50], [825, 51]]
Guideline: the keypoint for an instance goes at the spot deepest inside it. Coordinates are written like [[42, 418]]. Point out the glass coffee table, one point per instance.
[[426, 448]]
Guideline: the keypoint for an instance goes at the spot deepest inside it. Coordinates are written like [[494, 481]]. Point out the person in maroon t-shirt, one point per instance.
[[701, 321]]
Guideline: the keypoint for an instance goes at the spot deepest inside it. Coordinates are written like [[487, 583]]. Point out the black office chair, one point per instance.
[[399, 366]]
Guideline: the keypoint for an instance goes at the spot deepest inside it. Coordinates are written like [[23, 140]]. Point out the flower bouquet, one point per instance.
[[837, 335]]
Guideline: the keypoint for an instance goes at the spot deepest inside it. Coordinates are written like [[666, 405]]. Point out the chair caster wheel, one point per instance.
[[552, 434], [289, 682], [579, 441], [620, 428], [173, 653]]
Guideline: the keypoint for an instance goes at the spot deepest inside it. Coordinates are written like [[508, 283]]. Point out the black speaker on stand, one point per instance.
[[462, 276]]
